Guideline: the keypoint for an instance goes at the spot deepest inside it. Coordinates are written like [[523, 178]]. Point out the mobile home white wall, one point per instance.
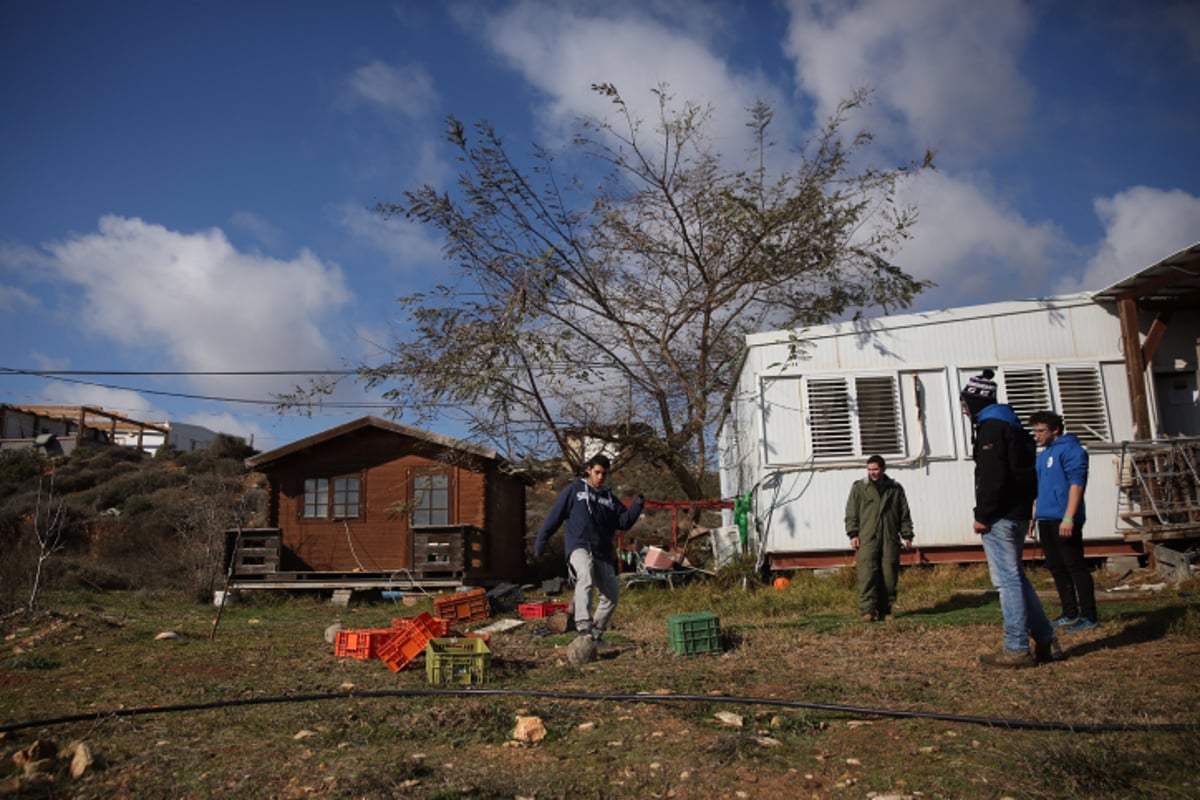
[[811, 407]]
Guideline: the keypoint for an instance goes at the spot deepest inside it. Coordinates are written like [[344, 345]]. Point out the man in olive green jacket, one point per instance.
[[877, 520]]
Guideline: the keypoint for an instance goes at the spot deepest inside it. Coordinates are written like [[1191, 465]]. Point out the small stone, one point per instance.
[[166, 636], [586, 726], [729, 718], [82, 761], [304, 734], [529, 730]]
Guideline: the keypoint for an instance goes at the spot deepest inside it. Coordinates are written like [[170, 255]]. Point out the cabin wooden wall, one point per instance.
[[380, 538]]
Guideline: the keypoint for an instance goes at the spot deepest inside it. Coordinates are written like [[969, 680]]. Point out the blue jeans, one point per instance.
[[1019, 603]]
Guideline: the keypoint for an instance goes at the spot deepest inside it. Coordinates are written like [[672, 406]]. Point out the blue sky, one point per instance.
[[187, 187]]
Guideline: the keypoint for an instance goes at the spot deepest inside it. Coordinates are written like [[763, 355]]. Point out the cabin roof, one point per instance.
[[264, 459]]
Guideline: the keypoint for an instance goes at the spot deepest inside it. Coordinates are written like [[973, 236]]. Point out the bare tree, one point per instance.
[[49, 519], [614, 301]]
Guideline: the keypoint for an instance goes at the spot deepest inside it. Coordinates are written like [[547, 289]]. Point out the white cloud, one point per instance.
[[407, 90], [1141, 226], [974, 247], [205, 305], [121, 401], [407, 244], [944, 72], [266, 233], [562, 53], [12, 296]]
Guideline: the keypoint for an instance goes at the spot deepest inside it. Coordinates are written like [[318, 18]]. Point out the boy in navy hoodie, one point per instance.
[[593, 516], [1005, 489], [1062, 469]]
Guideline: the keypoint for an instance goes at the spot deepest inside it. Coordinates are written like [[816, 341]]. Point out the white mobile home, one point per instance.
[[1119, 365]]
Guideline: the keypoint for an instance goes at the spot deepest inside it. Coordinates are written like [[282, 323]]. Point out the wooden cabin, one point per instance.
[[373, 503]]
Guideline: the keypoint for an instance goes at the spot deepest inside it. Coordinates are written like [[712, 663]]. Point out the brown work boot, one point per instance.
[[1013, 659], [1045, 652], [867, 617]]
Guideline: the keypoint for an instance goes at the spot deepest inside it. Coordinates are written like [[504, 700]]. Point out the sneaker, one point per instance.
[[1013, 659], [1045, 652], [888, 617], [867, 617], [1082, 625], [1063, 621]]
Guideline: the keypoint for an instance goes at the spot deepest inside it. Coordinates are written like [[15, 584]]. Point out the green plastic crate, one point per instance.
[[697, 632], [460, 661]]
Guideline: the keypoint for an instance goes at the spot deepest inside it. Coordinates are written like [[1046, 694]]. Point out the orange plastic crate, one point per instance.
[[539, 610], [362, 644], [463, 606], [404, 646], [425, 620]]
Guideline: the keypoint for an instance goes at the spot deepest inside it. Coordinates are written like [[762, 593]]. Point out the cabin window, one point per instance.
[[336, 497], [316, 498], [854, 417], [431, 499]]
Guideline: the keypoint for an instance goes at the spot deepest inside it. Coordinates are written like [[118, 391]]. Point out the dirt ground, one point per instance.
[[833, 708]]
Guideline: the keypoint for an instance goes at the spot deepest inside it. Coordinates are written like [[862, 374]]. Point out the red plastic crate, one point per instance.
[[463, 606], [363, 644], [539, 610]]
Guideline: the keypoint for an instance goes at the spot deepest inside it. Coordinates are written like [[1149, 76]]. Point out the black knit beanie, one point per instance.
[[980, 392]]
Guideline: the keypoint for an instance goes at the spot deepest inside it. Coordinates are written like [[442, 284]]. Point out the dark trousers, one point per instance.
[[1064, 559]]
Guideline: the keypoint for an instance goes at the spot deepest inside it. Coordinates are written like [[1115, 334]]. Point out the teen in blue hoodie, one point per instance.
[[1062, 469], [593, 516]]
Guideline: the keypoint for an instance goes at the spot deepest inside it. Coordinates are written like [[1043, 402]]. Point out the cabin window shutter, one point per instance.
[[1081, 398]]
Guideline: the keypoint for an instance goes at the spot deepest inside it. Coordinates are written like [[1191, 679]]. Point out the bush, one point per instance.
[[16, 468]]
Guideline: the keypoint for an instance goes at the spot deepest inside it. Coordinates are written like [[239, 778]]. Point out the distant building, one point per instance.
[[21, 427]]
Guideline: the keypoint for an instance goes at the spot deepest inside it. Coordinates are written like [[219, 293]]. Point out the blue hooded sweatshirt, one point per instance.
[[1063, 464], [593, 516]]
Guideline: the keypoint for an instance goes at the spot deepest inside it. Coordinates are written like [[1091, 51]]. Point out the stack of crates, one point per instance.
[[469, 606], [363, 644], [694, 633], [409, 637], [540, 610], [457, 661]]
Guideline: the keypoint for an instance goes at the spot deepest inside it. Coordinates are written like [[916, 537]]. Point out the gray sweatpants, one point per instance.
[[592, 573]]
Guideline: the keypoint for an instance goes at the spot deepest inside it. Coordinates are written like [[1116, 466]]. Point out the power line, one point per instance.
[[45, 373]]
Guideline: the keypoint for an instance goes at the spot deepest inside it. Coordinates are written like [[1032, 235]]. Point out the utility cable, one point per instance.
[[991, 722]]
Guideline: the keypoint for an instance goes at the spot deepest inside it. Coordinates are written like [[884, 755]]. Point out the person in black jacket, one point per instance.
[[1005, 489], [593, 516]]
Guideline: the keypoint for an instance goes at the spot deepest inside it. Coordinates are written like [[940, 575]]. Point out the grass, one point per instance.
[[96, 652]]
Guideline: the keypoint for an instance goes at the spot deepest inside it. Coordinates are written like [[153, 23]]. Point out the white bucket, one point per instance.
[[229, 598]]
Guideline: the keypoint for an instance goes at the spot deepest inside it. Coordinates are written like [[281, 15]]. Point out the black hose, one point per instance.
[[991, 722]]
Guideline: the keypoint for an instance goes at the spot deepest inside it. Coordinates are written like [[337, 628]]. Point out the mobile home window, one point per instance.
[[431, 499], [853, 417], [1077, 394], [1081, 397]]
